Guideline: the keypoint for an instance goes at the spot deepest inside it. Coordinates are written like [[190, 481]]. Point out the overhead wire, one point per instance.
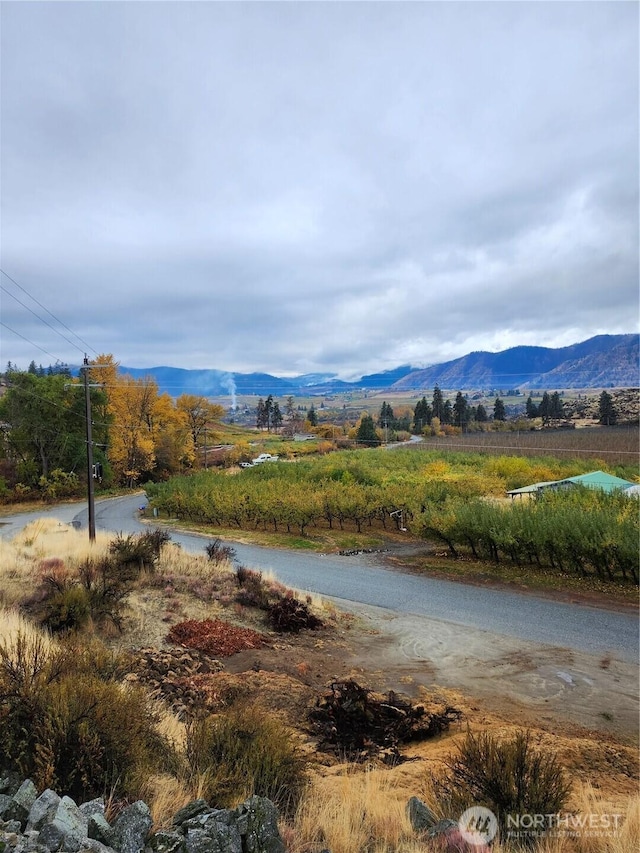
[[51, 314]]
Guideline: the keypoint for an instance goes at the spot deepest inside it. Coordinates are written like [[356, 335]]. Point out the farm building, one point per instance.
[[593, 480]]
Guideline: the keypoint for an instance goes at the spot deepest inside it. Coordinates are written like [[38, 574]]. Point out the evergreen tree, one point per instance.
[[481, 414], [437, 404], [606, 410], [312, 416], [499, 413], [460, 410], [276, 417], [556, 406], [447, 413], [261, 415], [421, 416], [366, 433], [386, 415], [532, 410], [544, 409]]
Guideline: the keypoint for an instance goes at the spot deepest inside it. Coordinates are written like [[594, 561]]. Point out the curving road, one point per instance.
[[363, 580], [564, 661]]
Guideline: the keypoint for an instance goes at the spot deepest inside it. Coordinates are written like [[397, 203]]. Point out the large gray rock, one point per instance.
[[66, 828], [43, 810], [131, 827], [191, 810], [92, 807], [98, 829], [420, 815], [262, 833], [5, 802], [21, 802], [219, 827]]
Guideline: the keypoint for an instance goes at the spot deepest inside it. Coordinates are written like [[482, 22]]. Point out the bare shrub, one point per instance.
[[510, 777]]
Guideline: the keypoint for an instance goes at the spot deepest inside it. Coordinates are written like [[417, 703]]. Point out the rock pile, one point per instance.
[[172, 675], [49, 823]]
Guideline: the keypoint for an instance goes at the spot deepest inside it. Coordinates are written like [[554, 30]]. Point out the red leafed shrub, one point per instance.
[[215, 637]]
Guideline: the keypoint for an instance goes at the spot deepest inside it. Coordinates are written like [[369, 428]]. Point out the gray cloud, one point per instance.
[[300, 187]]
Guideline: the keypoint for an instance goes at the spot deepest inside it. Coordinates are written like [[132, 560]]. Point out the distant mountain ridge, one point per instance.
[[604, 361]]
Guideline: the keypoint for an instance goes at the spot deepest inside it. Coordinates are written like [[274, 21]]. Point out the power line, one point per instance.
[[46, 352], [44, 308], [37, 316]]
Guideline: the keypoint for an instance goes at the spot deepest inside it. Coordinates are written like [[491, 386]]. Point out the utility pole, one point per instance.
[[90, 490]]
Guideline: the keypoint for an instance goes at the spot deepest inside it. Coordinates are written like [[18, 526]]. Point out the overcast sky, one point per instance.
[[297, 187]]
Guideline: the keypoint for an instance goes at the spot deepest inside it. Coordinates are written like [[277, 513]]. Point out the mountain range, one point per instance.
[[604, 361]]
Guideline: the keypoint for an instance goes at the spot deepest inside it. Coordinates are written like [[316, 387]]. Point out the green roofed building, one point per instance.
[[593, 480]]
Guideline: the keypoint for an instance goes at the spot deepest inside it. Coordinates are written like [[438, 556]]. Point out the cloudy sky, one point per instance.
[[315, 186]]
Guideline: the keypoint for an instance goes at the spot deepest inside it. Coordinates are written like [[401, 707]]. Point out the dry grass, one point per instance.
[[14, 624], [356, 811], [43, 539]]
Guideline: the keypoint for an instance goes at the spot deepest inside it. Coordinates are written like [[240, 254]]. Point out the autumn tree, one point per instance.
[[200, 414]]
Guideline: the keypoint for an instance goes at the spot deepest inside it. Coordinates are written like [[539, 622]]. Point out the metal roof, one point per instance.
[[593, 480]]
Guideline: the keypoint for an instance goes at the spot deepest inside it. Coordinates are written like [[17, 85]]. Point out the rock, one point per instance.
[[66, 827], [92, 807], [191, 810], [167, 842], [9, 783], [43, 809], [420, 815], [98, 829], [263, 835], [220, 826], [131, 828], [442, 827], [96, 846], [199, 841], [21, 802], [5, 802]]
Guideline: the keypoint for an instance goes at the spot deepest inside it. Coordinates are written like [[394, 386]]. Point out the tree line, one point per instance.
[[138, 434]]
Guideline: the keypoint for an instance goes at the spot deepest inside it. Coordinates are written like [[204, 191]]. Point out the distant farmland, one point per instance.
[[613, 445]]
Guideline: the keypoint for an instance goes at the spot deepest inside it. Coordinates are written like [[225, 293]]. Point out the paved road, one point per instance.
[[363, 580]]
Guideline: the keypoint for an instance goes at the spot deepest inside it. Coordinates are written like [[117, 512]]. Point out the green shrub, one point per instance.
[[245, 751], [509, 777], [66, 724]]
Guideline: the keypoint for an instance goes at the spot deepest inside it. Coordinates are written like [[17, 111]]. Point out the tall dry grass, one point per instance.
[[365, 812], [44, 539]]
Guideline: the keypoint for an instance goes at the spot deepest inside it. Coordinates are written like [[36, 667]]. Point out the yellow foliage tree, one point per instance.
[[200, 414], [148, 433]]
